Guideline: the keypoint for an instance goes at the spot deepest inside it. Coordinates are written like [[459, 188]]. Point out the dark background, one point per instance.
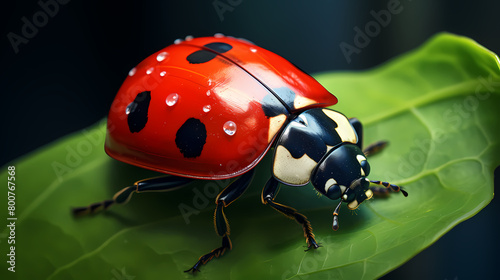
[[65, 76]]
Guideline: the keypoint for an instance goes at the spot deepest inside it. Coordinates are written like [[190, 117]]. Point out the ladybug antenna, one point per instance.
[[394, 188], [335, 225]]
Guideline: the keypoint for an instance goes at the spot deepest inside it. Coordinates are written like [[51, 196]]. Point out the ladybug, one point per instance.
[[210, 108]]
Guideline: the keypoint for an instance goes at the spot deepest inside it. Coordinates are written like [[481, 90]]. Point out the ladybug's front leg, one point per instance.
[[269, 193], [379, 191], [371, 150], [226, 197]]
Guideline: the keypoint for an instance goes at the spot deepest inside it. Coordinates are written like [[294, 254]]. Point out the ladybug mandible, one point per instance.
[[211, 108]]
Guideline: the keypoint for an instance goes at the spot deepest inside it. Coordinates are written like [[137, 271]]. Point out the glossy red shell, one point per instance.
[[230, 87]]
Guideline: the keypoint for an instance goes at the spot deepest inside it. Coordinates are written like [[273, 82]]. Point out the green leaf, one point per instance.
[[438, 106]]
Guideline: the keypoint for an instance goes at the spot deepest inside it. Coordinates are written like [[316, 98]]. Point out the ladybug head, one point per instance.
[[342, 174]]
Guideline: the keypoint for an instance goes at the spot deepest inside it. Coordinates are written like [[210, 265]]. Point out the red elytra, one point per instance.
[[207, 108]]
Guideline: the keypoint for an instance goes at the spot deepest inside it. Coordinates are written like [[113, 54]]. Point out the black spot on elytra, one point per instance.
[[138, 111], [202, 56], [191, 137], [219, 47]]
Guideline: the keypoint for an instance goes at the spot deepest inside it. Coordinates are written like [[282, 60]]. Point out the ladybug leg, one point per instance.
[[269, 193], [380, 191], [374, 148], [157, 184], [388, 188], [371, 149], [226, 197]]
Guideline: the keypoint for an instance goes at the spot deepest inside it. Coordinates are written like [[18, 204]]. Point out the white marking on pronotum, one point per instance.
[[295, 171], [344, 128]]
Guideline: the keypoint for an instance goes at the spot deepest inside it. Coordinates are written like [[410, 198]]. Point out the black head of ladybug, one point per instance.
[[342, 174]]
